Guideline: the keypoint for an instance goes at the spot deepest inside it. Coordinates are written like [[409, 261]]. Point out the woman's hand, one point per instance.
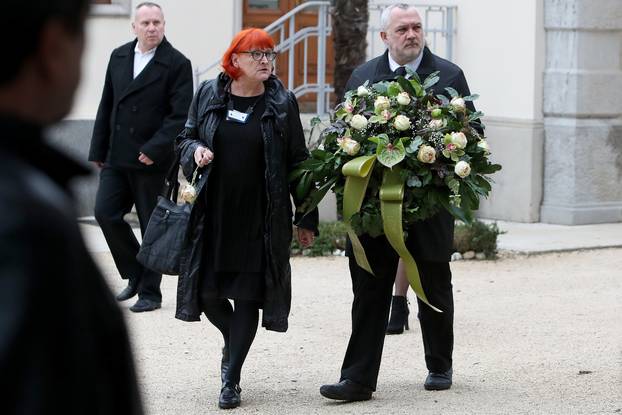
[[305, 237], [203, 156]]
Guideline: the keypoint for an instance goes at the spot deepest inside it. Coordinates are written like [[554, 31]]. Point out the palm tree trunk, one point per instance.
[[349, 39]]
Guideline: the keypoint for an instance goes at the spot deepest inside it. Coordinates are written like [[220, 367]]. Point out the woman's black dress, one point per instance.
[[234, 263]]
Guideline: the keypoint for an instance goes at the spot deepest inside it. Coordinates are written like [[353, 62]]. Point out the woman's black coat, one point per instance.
[[284, 148]]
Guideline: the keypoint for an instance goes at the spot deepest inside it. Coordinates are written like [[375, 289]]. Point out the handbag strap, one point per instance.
[[171, 184]]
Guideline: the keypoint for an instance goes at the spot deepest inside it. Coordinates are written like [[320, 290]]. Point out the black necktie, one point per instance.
[[401, 71]]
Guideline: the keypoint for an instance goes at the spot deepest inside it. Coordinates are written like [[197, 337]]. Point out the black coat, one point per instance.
[[284, 147], [142, 115], [63, 343], [431, 239]]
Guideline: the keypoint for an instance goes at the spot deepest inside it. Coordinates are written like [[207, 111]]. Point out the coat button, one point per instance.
[[134, 108], [131, 130], [118, 127]]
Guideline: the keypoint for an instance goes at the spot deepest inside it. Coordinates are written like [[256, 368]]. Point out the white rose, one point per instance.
[[188, 193], [458, 104], [426, 154], [462, 169], [381, 103], [358, 122], [350, 146], [403, 98], [362, 91], [459, 139], [401, 123], [437, 124], [483, 144]]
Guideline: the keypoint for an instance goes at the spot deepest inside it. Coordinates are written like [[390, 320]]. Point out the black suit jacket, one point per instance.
[[63, 343], [142, 115], [431, 239]]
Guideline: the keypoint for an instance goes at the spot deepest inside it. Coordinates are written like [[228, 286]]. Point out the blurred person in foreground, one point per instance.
[[244, 135], [63, 344]]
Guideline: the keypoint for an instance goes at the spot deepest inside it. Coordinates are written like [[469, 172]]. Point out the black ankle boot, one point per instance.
[[229, 396], [224, 364], [399, 315]]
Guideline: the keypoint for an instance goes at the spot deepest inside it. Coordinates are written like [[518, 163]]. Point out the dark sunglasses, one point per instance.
[[257, 55]]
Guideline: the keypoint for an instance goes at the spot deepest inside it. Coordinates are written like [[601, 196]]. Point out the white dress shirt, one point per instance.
[[142, 59], [412, 65]]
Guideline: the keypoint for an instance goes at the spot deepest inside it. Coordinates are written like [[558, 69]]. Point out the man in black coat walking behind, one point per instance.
[[63, 344], [147, 93], [430, 241]]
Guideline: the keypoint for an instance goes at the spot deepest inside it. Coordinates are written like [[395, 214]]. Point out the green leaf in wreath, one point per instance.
[[475, 115], [452, 92], [414, 145], [406, 86], [471, 97], [414, 181], [304, 185], [443, 99], [431, 80], [391, 154], [394, 89]]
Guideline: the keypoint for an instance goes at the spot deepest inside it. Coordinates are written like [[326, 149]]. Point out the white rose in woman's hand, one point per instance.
[[462, 169]]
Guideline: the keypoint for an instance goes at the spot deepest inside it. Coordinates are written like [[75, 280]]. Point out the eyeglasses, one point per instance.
[[258, 55]]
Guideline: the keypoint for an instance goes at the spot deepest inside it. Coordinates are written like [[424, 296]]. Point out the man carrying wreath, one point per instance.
[[429, 241]]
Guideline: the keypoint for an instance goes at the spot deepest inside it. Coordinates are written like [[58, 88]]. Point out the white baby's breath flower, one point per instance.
[[358, 122], [401, 123], [462, 169], [426, 154], [403, 98]]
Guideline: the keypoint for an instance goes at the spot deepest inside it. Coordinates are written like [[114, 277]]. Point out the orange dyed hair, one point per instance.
[[245, 40]]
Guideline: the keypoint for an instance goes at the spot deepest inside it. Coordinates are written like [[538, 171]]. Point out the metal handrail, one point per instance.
[[322, 31]]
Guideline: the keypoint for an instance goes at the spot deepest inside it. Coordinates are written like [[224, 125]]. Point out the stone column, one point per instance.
[[582, 112]]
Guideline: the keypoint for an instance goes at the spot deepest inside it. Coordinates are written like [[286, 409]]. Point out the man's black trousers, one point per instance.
[[370, 312], [120, 189]]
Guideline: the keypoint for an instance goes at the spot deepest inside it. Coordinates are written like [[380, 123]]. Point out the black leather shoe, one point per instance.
[[346, 390], [224, 364], [438, 381], [229, 397], [145, 305], [399, 315], [128, 292]]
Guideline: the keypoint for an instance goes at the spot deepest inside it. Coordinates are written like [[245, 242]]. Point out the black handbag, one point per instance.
[[164, 238]]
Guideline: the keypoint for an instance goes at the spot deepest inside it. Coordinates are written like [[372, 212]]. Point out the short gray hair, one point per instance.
[[148, 4], [386, 13]]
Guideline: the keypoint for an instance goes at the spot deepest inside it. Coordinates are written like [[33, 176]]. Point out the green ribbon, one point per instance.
[[357, 172], [391, 198]]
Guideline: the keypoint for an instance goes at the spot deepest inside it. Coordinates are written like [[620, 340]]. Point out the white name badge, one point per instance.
[[237, 116]]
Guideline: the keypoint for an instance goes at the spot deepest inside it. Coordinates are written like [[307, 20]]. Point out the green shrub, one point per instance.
[[477, 236], [332, 236]]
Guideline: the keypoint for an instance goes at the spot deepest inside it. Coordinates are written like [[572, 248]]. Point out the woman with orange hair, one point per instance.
[[243, 136]]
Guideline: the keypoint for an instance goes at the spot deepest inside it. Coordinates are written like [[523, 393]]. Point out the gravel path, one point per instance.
[[534, 335]]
